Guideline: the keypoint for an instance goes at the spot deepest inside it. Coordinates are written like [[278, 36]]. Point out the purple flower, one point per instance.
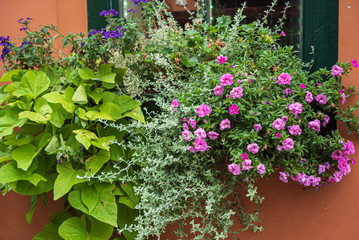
[[191, 149], [213, 135], [288, 144], [234, 109], [192, 122], [337, 154], [315, 181], [321, 99], [234, 168], [283, 177], [253, 148], [225, 123], [296, 108], [226, 79], [348, 148], [326, 120], [288, 91], [327, 165], [337, 71], [342, 164], [278, 124], [174, 104], [218, 90], [279, 148], [309, 97], [187, 135], [109, 13], [343, 98], [303, 160], [315, 125], [321, 169], [267, 102], [282, 33], [185, 127], [247, 164], [295, 130], [221, 59], [284, 79], [237, 92], [354, 63], [337, 176], [203, 110], [257, 127], [200, 133], [200, 145], [261, 169], [284, 118]]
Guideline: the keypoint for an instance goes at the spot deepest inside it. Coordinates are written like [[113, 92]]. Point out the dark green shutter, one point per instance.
[[94, 7], [320, 29]]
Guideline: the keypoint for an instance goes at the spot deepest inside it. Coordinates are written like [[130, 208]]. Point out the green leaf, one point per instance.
[[120, 73], [66, 179], [89, 196], [56, 97], [96, 95], [86, 73], [128, 188], [42, 106], [50, 231], [112, 110], [84, 137], [10, 88], [26, 188], [24, 155], [95, 163], [33, 116], [58, 115], [7, 77], [73, 229], [33, 204], [5, 156], [10, 173], [33, 84], [14, 141], [106, 207], [53, 145], [54, 73], [104, 142], [136, 114], [126, 216], [105, 73], [80, 95], [9, 121]]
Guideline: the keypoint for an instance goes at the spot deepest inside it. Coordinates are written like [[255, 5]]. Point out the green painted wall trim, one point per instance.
[[320, 29], [94, 7]]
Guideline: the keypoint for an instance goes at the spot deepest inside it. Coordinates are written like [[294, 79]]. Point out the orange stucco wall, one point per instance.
[[288, 212]]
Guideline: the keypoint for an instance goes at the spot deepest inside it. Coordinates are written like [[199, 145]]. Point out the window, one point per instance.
[[309, 22]]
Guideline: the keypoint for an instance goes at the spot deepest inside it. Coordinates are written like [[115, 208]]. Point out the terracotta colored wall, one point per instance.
[[70, 16], [288, 212]]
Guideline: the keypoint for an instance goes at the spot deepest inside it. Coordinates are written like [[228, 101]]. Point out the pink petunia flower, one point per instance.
[[278, 135], [247, 165], [234, 109], [337, 71], [326, 120], [348, 148], [257, 127], [282, 33], [185, 127], [278, 124], [309, 97], [296, 108], [218, 90], [261, 169], [354, 63], [343, 98], [213, 135], [226, 79], [203, 110], [192, 123], [174, 104], [321, 99], [302, 85], [191, 149], [337, 154], [288, 144], [321, 169], [295, 130], [200, 133], [283, 177], [315, 125], [284, 78], [225, 123], [200, 145], [234, 168], [237, 92], [253, 148], [222, 59], [187, 135]]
